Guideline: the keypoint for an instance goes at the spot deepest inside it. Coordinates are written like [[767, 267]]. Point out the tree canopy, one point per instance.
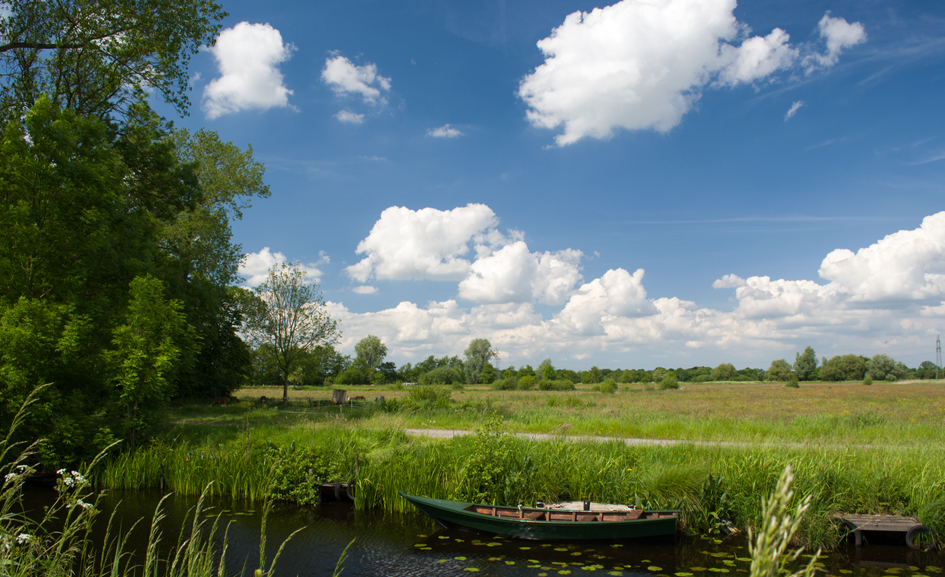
[[100, 57]]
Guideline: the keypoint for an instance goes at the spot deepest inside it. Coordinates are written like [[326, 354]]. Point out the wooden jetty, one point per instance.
[[858, 524]]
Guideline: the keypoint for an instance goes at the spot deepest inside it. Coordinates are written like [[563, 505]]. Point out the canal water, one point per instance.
[[394, 545]]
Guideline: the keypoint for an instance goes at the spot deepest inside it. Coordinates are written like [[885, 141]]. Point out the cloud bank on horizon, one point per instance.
[[892, 289]]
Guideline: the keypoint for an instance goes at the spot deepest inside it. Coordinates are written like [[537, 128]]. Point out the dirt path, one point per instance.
[[450, 433]]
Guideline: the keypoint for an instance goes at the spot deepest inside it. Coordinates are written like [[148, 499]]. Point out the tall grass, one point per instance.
[[60, 543]]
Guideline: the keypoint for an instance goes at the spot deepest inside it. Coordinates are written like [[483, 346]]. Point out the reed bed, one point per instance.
[[715, 486]]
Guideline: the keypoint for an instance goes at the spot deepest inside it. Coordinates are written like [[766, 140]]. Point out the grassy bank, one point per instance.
[[853, 448]]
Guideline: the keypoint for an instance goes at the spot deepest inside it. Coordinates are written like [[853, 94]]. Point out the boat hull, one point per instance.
[[453, 515]]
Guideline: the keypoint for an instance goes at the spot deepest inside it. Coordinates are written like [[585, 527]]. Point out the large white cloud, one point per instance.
[[464, 244], [345, 77], [407, 244], [512, 274], [613, 317], [642, 64], [248, 57], [908, 265]]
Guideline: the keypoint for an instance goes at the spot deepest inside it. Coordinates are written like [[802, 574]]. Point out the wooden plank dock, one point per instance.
[[858, 524]]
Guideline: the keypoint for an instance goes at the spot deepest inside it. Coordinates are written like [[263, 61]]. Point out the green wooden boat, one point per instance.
[[548, 523]]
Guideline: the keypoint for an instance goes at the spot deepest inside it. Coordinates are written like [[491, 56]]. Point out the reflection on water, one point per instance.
[[412, 545]]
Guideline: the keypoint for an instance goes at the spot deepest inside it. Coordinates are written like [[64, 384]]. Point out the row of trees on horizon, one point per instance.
[[326, 366]]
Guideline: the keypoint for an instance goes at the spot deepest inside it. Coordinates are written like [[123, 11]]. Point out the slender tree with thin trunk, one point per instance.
[[289, 314]]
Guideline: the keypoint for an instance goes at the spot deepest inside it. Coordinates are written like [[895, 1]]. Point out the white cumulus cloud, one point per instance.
[[892, 290], [643, 64], [615, 294], [908, 265], [445, 131], [365, 290], [345, 77], [839, 35], [512, 274], [248, 57], [407, 244]]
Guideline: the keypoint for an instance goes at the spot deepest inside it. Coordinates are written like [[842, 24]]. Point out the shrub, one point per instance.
[[608, 386], [429, 394], [557, 385], [868, 380], [506, 384], [353, 376], [442, 376], [527, 383], [669, 382], [793, 382]]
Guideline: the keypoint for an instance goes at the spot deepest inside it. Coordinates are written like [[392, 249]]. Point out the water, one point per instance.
[[411, 545]]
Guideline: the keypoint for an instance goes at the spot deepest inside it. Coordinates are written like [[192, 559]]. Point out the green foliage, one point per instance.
[[371, 352], [442, 376], [353, 376], [608, 387], [288, 313], [805, 363], [296, 471], [430, 395], [669, 382], [146, 348], [488, 374], [489, 473], [868, 380], [769, 556], [882, 367], [527, 383], [779, 371], [723, 372], [506, 384], [477, 356], [792, 382], [592, 376], [557, 385], [845, 368], [99, 57]]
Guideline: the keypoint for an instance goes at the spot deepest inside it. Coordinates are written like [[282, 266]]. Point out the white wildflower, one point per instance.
[[23, 538]]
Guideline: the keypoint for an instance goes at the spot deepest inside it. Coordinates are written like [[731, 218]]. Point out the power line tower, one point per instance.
[[938, 356]]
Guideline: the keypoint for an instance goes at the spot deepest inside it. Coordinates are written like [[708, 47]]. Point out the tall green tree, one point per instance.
[[477, 355], [804, 364], [147, 346], [370, 352], [200, 259], [289, 314], [100, 57]]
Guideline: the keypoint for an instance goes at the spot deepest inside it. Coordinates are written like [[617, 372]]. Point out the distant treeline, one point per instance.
[[325, 366]]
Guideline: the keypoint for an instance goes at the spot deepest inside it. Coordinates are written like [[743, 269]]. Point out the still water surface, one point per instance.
[[412, 545]]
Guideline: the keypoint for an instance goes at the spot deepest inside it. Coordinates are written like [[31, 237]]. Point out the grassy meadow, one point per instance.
[[853, 448]]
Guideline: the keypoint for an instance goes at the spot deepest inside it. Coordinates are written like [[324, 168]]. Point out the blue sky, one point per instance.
[[641, 184]]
